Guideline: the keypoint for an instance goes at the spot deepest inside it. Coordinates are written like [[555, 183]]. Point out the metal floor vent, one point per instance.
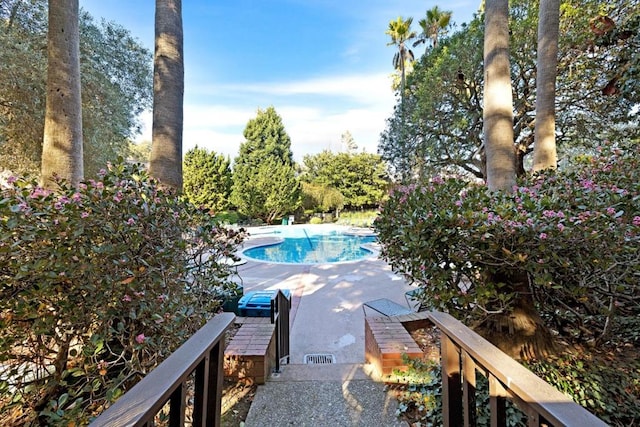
[[319, 359]]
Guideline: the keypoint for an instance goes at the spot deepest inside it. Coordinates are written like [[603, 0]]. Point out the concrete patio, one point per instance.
[[326, 318]]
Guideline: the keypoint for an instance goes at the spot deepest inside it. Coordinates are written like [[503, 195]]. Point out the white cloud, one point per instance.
[[315, 113]]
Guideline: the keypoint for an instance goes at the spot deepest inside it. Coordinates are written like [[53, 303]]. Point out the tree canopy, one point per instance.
[[264, 182], [443, 130], [360, 177], [115, 87], [207, 179]]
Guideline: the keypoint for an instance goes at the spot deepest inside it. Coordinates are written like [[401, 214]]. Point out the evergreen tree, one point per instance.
[[264, 181], [207, 179]]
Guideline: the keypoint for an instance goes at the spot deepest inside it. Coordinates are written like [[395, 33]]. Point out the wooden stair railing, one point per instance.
[[463, 353], [203, 354]]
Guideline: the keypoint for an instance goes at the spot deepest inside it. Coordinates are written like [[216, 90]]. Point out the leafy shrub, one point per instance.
[[98, 285], [421, 392], [228, 217], [574, 234], [315, 220], [358, 218], [422, 395], [604, 384]]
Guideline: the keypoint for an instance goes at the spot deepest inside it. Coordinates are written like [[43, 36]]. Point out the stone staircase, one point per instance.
[[323, 395]]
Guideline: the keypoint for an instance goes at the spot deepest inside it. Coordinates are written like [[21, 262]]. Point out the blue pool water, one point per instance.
[[311, 246]]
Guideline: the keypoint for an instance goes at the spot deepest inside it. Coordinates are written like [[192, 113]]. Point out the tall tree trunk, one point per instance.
[[498, 101], [544, 149], [62, 142], [519, 331], [168, 94]]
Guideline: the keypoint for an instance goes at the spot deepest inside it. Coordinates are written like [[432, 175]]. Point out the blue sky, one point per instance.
[[323, 64]]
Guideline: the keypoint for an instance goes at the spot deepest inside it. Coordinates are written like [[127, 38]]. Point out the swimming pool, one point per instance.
[[311, 245]]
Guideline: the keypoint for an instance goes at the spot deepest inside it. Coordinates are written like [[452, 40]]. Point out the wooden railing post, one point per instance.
[[201, 393], [177, 406], [497, 402], [451, 383], [215, 382], [469, 390]]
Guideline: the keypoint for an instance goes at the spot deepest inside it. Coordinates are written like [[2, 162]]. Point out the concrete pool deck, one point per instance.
[[326, 314], [326, 318]]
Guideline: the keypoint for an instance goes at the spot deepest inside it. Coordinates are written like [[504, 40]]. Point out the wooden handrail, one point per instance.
[[202, 353], [464, 353]]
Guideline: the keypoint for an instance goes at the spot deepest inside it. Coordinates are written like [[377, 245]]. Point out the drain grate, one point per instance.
[[319, 359]]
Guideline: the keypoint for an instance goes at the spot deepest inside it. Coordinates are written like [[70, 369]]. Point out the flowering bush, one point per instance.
[[574, 236], [98, 285]]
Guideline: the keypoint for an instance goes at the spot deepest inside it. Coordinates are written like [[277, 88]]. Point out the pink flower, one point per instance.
[[38, 192], [560, 226], [131, 221], [611, 211], [84, 214], [458, 203], [11, 179], [118, 197], [543, 236], [140, 338], [76, 197], [587, 184], [126, 298], [636, 220]]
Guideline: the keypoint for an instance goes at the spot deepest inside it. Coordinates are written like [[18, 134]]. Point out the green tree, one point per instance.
[[442, 130], [264, 181], [115, 79], [168, 93], [207, 179], [435, 24], [116, 88], [348, 143], [62, 146], [321, 198], [361, 177], [265, 136]]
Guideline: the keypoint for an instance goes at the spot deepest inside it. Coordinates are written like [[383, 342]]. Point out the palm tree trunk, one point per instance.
[[62, 143], [168, 93], [498, 101], [519, 331], [544, 149]]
